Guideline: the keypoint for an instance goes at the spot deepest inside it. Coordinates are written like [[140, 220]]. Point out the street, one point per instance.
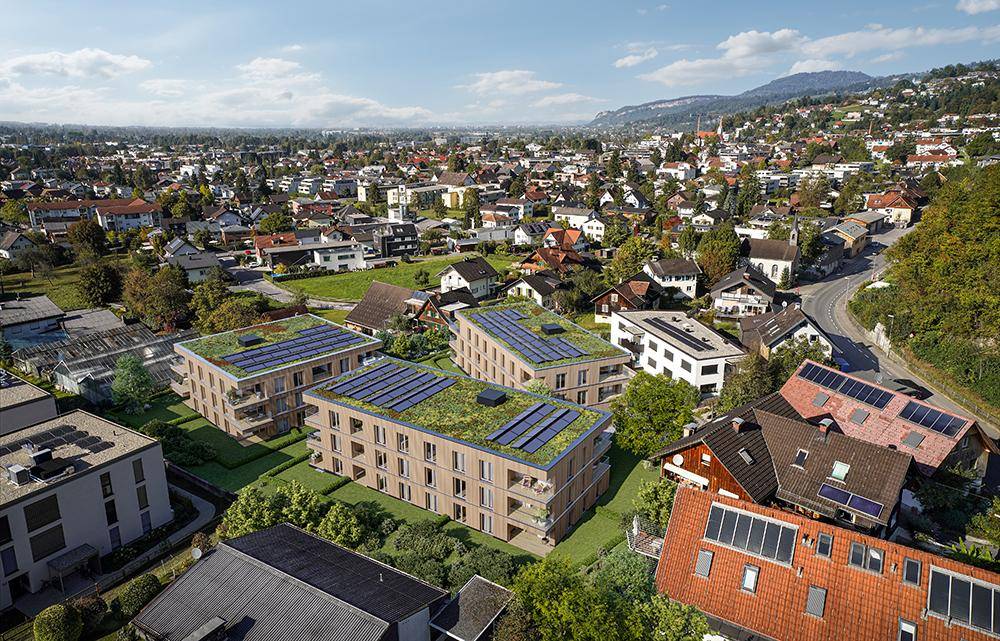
[[249, 280]]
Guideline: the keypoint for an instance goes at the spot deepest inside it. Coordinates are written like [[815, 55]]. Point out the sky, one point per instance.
[[379, 63]]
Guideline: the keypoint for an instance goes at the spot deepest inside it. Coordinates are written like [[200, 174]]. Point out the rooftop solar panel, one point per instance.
[[851, 500], [679, 335], [931, 418], [514, 421], [505, 326], [315, 341]]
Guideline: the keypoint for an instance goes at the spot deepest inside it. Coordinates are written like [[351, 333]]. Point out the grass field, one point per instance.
[[335, 315], [236, 479], [60, 287], [442, 361], [165, 407], [352, 286]]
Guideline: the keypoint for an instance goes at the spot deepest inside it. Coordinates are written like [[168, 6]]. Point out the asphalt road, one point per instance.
[[254, 281]]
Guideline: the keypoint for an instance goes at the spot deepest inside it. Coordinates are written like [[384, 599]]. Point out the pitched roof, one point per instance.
[[284, 583], [472, 269], [26, 310], [674, 267], [9, 238], [750, 277], [473, 610], [381, 302], [767, 249], [453, 178], [772, 327]]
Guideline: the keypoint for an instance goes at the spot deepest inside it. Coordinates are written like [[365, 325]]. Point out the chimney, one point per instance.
[[737, 424], [689, 429], [824, 426]]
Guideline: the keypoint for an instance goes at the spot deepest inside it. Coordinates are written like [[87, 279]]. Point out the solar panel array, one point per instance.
[[504, 325], [679, 335], [393, 387], [753, 534], [834, 380], [8, 380], [851, 500], [932, 419], [57, 436], [314, 341], [534, 427]]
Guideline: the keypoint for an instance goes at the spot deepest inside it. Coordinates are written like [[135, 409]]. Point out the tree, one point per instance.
[[813, 191], [88, 239], [986, 524], [208, 296], [490, 563], [203, 238], [58, 623], [538, 386], [783, 361], [253, 510], [983, 144], [100, 283], [275, 223], [342, 526], [516, 187], [470, 202], [302, 507], [687, 241], [899, 150], [233, 313], [160, 299], [422, 277], [616, 234], [655, 500], [137, 593], [628, 260], [749, 192], [718, 252], [751, 380], [624, 577], [665, 620], [14, 212], [652, 412], [785, 282], [132, 384], [561, 606]]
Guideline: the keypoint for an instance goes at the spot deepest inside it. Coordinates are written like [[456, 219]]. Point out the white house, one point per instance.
[[680, 274], [773, 258], [474, 274], [575, 217], [530, 233], [124, 217], [538, 287], [670, 343], [13, 244], [680, 171], [769, 331]]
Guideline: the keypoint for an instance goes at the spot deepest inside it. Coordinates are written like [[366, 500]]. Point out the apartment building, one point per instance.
[[666, 342], [514, 343], [250, 381], [520, 467], [762, 573], [72, 489], [23, 404]]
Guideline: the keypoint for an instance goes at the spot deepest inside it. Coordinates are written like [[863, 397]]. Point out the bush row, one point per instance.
[[252, 454]]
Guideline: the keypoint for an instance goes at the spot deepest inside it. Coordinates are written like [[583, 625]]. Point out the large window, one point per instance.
[[47, 543], [964, 600], [140, 493], [140, 474], [865, 557], [106, 489], [754, 534], [41, 513], [111, 512], [5, 535]]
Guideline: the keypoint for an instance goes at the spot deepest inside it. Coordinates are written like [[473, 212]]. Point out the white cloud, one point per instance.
[[877, 37], [662, 7], [165, 87], [972, 7], [755, 43], [814, 64], [509, 81], [888, 57], [634, 59], [272, 69], [292, 48], [564, 99], [82, 63]]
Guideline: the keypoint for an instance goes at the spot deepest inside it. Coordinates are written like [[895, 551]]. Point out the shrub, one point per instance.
[[425, 540], [58, 623], [92, 610], [178, 446], [137, 593]]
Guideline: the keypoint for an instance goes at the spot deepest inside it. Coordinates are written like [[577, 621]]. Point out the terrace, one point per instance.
[[539, 337], [529, 428], [256, 350]]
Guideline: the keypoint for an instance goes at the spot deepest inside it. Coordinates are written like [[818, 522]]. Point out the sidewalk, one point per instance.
[[30, 605]]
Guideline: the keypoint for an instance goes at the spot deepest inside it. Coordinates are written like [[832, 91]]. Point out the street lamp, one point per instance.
[[891, 318]]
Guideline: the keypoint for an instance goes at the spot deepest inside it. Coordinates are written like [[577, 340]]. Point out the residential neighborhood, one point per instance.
[[718, 367]]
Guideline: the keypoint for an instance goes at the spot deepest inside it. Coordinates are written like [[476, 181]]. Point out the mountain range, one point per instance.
[[683, 112]]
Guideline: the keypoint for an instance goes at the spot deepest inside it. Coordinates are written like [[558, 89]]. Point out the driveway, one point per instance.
[[250, 280]]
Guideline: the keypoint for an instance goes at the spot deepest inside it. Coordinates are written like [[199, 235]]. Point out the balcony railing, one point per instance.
[[529, 485], [179, 368], [601, 466], [249, 399], [603, 443], [253, 422], [180, 388], [533, 516]]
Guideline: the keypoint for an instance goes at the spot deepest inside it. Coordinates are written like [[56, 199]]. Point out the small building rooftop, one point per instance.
[[539, 337], [16, 391], [282, 343], [78, 438], [27, 310], [690, 336], [523, 426]]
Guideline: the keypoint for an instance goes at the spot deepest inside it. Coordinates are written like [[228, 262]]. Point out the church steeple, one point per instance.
[[793, 234]]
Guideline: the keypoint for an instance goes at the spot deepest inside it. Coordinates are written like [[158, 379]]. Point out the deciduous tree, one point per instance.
[[132, 384], [652, 412]]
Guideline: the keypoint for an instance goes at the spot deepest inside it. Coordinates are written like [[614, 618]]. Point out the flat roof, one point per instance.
[[16, 391], [690, 336], [445, 403], [27, 310], [518, 326], [78, 437], [280, 344]]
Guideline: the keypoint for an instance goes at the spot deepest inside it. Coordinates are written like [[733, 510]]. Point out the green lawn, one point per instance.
[[60, 287], [235, 480], [303, 473], [353, 285], [230, 452], [334, 315], [442, 361], [165, 407]]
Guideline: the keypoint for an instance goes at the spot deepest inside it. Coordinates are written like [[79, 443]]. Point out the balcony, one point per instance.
[[528, 485], [313, 421], [535, 516], [603, 443], [253, 422], [244, 400], [313, 437], [744, 299], [601, 467], [180, 388], [635, 348], [612, 373], [179, 368]]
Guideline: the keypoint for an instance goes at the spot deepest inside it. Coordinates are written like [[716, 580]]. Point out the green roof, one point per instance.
[[454, 412], [215, 348], [534, 317]]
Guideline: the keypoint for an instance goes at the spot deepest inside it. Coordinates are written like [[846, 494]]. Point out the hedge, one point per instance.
[[273, 445], [58, 623], [137, 593], [335, 485], [280, 278], [274, 471]]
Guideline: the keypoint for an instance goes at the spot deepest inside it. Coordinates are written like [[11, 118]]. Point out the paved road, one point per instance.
[[826, 302], [254, 281]]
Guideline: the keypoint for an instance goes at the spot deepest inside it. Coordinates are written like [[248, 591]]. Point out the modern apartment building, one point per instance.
[[72, 489], [514, 343], [515, 465], [665, 342], [251, 380]]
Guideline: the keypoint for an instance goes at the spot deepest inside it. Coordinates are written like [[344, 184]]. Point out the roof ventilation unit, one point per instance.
[[18, 474], [552, 328], [491, 397], [249, 340]]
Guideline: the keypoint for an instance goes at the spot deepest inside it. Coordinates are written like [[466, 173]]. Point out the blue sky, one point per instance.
[[383, 63]]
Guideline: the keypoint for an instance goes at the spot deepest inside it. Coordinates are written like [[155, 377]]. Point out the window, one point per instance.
[[460, 488], [404, 468], [336, 442], [116, 537], [111, 512], [706, 459], [41, 513], [381, 460], [431, 502], [460, 513], [334, 420], [800, 458], [430, 477], [338, 466], [345, 364], [581, 397], [840, 470], [106, 489], [865, 557], [486, 497], [47, 543], [298, 378], [560, 381], [404, 491], [140, 493], [147, 526], [5, 535], [911, 571], [753, 534], [458, 461], [8, 558], [859, 416], [430, 452], [964, 600], [403, 443], [486, 471], [703, 566], [381, 482], [486, 523], [653, 346], [357, 426], [824, 545], [685, 365], [907, 630], [581, 377], [137, 471], [279, 384], [749, 582], [816, 601], [709, 369]]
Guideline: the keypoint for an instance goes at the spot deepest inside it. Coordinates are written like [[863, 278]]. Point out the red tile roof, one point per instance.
[[860, 604], [565, 238]]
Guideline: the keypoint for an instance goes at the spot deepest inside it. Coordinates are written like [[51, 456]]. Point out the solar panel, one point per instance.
[[835, 494], [311, 342], [931, 418], [8, 380], [679, 335], [514, 421], [517, 428], [100, 447], [848, 499], [504, 325], [834, 380]]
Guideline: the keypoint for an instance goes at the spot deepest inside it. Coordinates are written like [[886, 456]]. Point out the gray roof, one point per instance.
[[674, 267], [472, 269], [772, 327], [381, 302], [473, 610], [202, 260], [88, 321], [27, 310], [750, 277], [284, 583]]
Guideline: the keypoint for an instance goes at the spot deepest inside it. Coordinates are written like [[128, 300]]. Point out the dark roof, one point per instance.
[[535, 229], [769, 328], [381, 302], [674, 267], [541, 283], [767, 249], [284, 583], [749, 276], [473, 609], [201, 260], [9, 238], [472, 269]]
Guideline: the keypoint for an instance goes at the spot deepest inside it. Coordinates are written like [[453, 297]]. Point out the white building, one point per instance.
[[670, 343], [769, 331], [23, 404], [474, 274], [72, 489], [680, 274]]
